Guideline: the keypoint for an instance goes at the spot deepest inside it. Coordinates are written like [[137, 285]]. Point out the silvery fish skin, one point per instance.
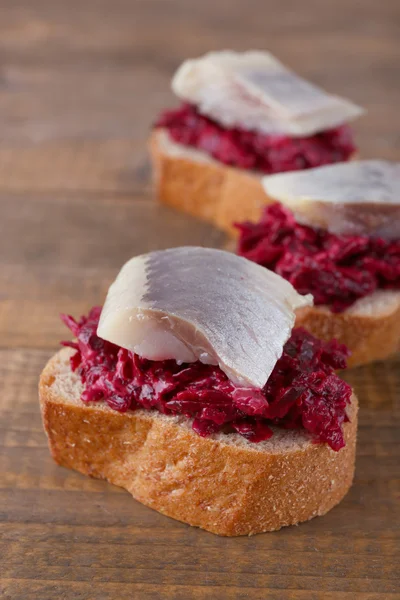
[[354, 198], [192, 303], [255, 91]]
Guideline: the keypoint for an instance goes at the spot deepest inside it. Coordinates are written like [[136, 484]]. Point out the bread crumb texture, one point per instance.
[[223, 484]]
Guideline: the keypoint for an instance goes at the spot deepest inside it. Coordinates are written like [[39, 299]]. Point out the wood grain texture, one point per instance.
[[80, 83]]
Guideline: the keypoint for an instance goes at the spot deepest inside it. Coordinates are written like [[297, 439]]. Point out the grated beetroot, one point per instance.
[[303, 392], [256, 151], [336, 269]]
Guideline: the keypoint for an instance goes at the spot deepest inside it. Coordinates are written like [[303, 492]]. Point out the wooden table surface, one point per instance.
[[80, 82]]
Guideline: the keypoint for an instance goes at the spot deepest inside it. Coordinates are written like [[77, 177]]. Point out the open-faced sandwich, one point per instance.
[[191, 390], [243, 115], [335, 234]]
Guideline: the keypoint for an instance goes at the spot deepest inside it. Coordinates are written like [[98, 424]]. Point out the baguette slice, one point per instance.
[[223, 484], [370, 327], [193, 182]]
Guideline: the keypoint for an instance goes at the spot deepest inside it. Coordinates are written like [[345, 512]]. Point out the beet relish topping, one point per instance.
[[303, 391], [273, 153], [336, 269]]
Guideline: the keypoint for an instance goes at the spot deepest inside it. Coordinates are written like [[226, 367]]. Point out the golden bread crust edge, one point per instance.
[[369, 337], [210, 191], [226, 489]]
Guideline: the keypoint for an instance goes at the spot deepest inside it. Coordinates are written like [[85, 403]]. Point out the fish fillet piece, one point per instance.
[[253, 90], [191, 304], [354, 198]]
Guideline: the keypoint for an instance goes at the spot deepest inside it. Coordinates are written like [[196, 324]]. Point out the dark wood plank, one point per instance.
[[60, 254], [71, 166], [80, 84], [17, 588], [53, 31]]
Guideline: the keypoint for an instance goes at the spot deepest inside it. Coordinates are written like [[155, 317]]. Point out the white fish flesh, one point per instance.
[[191, 304], [253, 90], [354, 198]]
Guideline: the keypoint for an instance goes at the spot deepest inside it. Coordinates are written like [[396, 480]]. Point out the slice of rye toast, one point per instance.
[[370, 328], [223, 483], [195, 183]]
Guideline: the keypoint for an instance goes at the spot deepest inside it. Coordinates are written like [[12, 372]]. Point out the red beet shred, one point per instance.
[[336, 269], [262, 152], [303, 392]]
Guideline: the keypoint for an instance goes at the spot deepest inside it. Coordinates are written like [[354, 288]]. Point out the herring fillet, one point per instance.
[[255, 91], [193, 303], [354, 198]]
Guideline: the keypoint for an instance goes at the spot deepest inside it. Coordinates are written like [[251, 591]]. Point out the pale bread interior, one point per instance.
[[67, 388]]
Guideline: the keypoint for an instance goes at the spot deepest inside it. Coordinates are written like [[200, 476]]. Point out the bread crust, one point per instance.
[[208, 190], [222, 484], [370, 337]]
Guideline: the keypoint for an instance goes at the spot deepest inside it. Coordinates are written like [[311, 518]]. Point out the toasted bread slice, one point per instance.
[[370, 328], [193, 182], [223, 484]]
